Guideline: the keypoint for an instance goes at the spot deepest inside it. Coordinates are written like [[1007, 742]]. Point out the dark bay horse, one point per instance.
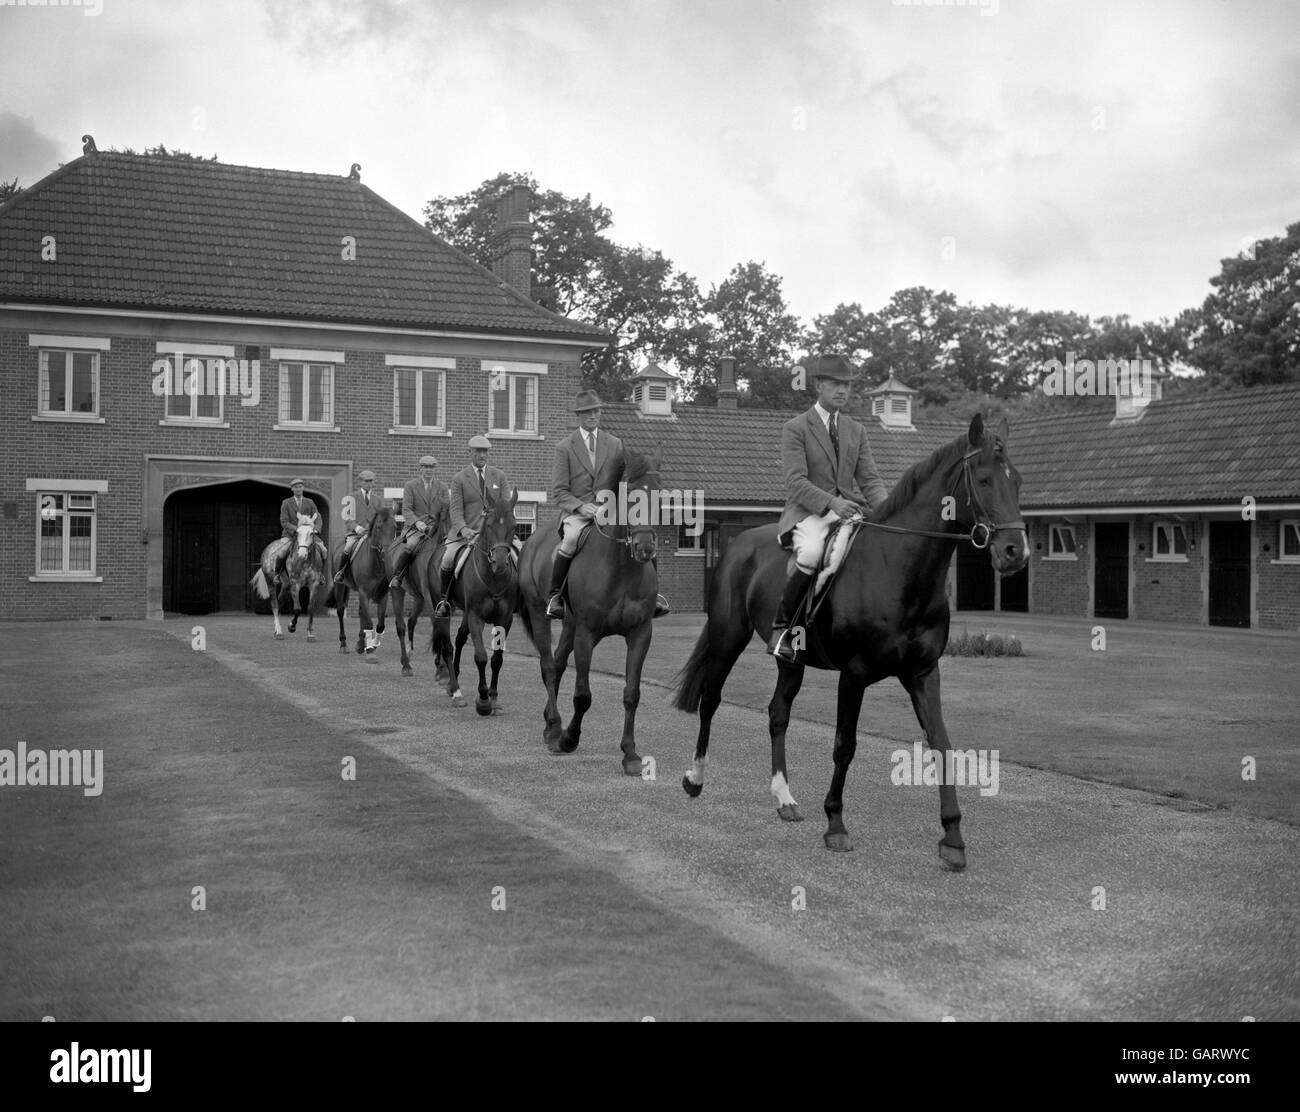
[[612, 589], [302, 576], [421, 583], [368, 574], [487, 591], [886, 614]]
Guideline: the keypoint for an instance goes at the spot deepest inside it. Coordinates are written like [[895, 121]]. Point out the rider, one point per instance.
[[473, 492], [586, 461], [291, 507], [366, 504], [828, 467], [424, 506]]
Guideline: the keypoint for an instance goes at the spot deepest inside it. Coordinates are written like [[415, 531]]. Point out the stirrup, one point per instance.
[[395, 584], [661, 606], [779, 645], [443, 609], [555, 607]]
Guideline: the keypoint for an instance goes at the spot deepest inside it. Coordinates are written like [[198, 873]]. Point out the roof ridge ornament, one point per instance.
[[355, 173], [88, 145]]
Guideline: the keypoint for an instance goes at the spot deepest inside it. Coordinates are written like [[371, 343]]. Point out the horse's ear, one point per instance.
[[976, 434]]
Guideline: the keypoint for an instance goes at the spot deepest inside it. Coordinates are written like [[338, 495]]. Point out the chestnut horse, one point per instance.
[[886, 614]]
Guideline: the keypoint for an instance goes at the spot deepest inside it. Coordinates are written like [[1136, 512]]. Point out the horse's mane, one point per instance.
[[918, 474]]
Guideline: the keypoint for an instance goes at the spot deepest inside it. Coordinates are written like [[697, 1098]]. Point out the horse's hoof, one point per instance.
[[343, 649], [360, 649], [311, 637], [406, 670], [484, 707], [790, 812], [279, 636], [632, 767], [568, 744], [496, 711], [458, 701], [691, 787], [839, 843], [953, 857]]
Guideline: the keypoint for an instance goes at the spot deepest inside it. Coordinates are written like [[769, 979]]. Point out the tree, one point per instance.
[[161, 151], [1247, 332], [8, 189]]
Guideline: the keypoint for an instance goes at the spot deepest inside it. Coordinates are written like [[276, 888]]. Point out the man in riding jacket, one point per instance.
[[587, 461], [474, 491], [829, 474], [366, 503], [424, 506], [297, 504]]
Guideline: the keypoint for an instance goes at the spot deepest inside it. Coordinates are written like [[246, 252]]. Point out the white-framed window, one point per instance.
[[1169, 541], [202, 392], [1061, 544], [419, 399], [307, 394], [688, 541], [69, 383], [65, 533], [513, 390], [1288, 541], [525, 519]]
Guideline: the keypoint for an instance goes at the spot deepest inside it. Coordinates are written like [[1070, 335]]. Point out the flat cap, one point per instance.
[[297, 483], [428, 461], [366, 474], [480, 441]]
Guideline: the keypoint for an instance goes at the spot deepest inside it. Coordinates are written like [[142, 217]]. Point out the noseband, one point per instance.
[[628, 540]]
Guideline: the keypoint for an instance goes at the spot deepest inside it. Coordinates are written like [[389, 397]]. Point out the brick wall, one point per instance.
[[114, 451], [1056, 586], [1278, 595]]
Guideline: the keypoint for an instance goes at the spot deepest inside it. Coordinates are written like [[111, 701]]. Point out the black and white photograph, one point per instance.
[[490, 488]]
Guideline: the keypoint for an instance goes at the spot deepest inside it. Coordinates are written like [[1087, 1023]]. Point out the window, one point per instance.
[[1061, 543], [419, 399], [1168, 540], [688, 541], [202, 390], [306, 394], [1288, 544], [512, 403], [69, 383], [65, 542], [525, 519]]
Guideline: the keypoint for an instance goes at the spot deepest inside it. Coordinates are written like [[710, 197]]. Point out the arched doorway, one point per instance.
[[213, 537]]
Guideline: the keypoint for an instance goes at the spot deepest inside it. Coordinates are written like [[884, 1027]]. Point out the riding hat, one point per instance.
[[480, 441], [587, 400], [366, 474], [297, 483], [834, 367], [428, 461]]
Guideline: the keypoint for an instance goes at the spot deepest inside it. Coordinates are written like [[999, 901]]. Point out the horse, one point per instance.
[[487, 591], [886, 614], [369, 574], [422, 581], [612, 589], [304, 570]]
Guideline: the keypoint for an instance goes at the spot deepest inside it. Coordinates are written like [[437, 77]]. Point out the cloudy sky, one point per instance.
[[1094, 155]]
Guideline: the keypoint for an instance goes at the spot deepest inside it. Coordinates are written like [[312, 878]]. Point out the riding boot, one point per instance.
[[661, 603], [343, 568], [443, 609], [555, 607], [403, 559], [779, 643]]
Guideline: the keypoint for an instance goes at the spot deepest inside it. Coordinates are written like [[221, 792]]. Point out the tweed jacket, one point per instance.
[[365, 511], [812, 475], [467, 506], [574, 481], [289, 511], [426, 503]]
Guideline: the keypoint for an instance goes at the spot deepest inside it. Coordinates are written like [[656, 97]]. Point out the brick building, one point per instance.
[[349, 337], [1179, 509]]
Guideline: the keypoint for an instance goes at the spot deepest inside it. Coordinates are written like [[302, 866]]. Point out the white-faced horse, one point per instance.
[[303, 575]]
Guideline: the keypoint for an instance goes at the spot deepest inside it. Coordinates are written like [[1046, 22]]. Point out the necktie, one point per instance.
[[835, 438], [482, 486], [591, 444]]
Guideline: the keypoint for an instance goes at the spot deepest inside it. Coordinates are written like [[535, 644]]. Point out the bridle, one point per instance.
[[982, 516], [489, 550], [628, 540]]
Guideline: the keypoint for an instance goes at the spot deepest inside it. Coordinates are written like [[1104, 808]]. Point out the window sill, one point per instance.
[[419, 432], [70, 418], [688, 552], [192, 423], [65, 578], [1288, 561], [306, 428], [1067, 559], [506, 434], [1165, 560]]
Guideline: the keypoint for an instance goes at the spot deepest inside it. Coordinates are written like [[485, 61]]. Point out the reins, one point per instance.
[[627, 540]]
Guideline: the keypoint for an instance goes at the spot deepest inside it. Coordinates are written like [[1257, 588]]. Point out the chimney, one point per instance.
[[512, 242], [727, 382]]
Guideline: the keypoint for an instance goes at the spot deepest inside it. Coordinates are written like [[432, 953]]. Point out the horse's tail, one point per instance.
[[691, 679], [260, 585]]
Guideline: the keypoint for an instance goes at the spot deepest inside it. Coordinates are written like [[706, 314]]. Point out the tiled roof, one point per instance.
[[1208, 447], [734, 455], [148, 232]]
